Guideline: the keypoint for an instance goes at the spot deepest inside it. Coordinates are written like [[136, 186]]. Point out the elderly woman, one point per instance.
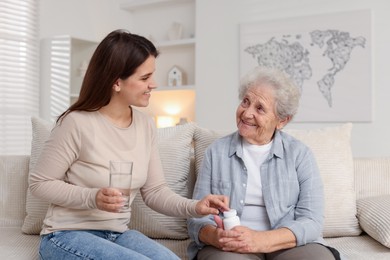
[[271, 178]]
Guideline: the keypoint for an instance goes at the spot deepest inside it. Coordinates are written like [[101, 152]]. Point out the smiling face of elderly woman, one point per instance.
[[269, 100], [256, 117]]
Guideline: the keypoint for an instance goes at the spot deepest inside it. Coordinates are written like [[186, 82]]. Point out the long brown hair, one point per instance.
[[117, 56]]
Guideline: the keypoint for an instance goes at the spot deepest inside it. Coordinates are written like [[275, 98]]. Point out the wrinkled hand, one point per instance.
[[239, 239], [211, 204], [109, 199], [244, 240], [212, 235]]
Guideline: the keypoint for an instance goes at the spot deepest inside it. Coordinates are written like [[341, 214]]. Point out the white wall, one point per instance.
[[83, 19], [217, 67], [94, 19], [217, 58]]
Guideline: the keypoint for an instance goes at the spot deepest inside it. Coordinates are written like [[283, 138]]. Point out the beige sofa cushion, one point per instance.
[[175, 147], [332, 150], [202, 139], [36, 208], [372, 176], [374, 217]]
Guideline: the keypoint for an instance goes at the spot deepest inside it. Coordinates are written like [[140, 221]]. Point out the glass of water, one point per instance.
[[120, 179]]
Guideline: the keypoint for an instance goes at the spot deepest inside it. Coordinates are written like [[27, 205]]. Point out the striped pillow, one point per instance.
[[175, 147], [374, 217], [36, 208]]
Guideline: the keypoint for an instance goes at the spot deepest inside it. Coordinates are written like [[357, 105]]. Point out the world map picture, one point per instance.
[[327, 56]]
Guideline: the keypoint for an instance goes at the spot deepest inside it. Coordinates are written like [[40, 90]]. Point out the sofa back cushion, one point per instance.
[[332, 150], [372, 177], [175, 147]]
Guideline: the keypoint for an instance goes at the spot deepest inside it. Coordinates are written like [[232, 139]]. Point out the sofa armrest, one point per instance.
[[13, 188], [373, 214]]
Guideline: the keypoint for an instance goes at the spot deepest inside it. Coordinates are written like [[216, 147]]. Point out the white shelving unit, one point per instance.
[[176, 43], [61, 80], [153, 19], [168, 88], [61, 57], [134, 5], [178, 52]]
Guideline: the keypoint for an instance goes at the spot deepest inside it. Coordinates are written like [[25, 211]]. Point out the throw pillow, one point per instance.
[[374, 217], [175, 147], [36, 208], [202, 139], [332, 150]]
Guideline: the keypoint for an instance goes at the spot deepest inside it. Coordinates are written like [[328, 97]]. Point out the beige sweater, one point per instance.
[[74, 163]]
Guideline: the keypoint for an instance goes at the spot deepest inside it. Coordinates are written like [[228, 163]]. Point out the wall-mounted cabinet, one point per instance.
[[63, 63]]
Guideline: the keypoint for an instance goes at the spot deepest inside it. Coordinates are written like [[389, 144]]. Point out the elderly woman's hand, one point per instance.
[[251, 241], [212, 204], [217, 236], [248, 240]]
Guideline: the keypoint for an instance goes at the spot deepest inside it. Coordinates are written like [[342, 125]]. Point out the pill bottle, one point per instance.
[[230, 219]]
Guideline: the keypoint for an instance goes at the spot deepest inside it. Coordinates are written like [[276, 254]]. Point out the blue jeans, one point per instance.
[[97, 244]]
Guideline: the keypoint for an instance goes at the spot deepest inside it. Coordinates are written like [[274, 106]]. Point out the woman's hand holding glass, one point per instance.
[[116, 198], [110, 199]]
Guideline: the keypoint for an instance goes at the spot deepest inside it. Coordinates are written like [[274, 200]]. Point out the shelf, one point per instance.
[[175, 51], [160, 88], [176, 43], [137, 4], [168, 88]]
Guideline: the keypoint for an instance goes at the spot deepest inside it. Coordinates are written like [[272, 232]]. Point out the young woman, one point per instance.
[[83, 220]]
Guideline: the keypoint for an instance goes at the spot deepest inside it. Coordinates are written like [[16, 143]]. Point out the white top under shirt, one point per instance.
[[254, 214]]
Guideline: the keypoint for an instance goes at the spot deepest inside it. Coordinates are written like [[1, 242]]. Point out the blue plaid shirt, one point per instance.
[[291, 185]]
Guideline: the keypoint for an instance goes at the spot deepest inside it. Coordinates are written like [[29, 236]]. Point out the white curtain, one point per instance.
[[19, 74]]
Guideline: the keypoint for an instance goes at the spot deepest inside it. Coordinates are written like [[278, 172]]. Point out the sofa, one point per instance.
[[357, 192]]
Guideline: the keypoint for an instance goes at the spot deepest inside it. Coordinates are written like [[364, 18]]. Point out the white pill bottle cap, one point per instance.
[[230, 213]]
